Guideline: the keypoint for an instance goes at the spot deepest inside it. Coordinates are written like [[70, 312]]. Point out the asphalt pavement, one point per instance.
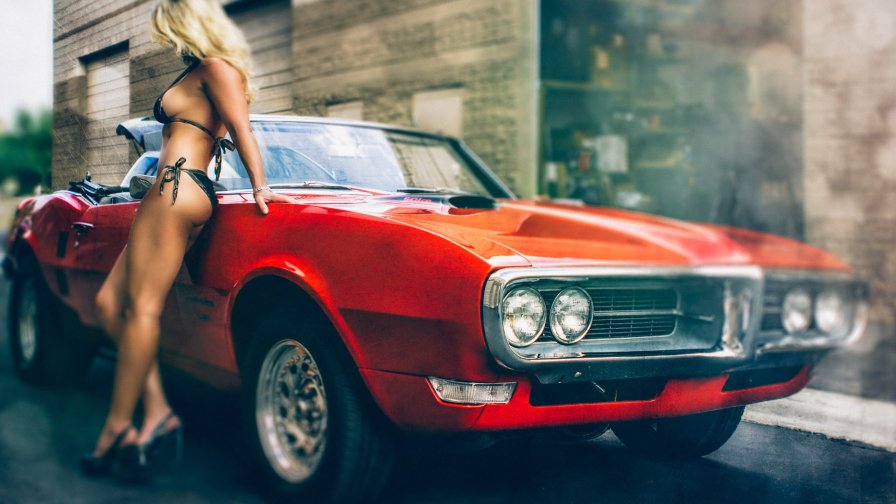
[[43, 431]]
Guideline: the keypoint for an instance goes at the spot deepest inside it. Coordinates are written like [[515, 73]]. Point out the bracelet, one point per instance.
[[262, 188]]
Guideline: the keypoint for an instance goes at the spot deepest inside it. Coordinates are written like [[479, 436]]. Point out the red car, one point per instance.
[[408, 290]]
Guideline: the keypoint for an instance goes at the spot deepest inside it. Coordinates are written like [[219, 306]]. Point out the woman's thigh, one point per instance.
[[159, 237]]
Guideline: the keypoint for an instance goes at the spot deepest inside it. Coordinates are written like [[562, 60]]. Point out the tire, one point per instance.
[[581, 433], [46, 339], [348, 456], [685, 437]]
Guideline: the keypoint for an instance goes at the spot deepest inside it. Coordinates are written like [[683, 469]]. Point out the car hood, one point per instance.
[[541, 233]]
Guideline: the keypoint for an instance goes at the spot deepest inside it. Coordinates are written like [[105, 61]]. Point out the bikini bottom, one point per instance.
[[172, 174]]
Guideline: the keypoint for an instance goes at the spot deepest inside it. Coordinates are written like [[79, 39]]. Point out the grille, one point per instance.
[[626, 313], [617, 300], [633, 326]]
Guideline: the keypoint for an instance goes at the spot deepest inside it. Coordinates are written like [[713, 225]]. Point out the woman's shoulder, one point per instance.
[[216, 67]]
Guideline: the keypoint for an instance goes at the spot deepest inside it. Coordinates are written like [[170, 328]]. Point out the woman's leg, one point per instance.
[[158, 240], [110, 301]]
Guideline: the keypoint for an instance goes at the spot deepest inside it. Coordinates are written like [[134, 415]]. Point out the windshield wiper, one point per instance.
[[431, 190], [312, 183]]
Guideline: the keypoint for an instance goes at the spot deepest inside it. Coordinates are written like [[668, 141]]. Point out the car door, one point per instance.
[[202, 307]]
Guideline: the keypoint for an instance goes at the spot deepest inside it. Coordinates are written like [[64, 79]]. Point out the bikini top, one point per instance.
[[219, 145]]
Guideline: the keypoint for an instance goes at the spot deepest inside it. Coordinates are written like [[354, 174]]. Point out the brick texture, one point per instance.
[[383, 52], [379, 52], [850, 146]]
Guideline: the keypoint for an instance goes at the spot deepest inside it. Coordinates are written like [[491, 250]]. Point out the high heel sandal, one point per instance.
[[166, 442], [93, 465], [143, 460]]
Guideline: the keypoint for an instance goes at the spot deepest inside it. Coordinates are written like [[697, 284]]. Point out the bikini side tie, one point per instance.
[[172, 173]]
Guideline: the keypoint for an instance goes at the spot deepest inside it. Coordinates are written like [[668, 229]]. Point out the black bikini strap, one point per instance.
[[219, 144], [183, 74], [194, 123]]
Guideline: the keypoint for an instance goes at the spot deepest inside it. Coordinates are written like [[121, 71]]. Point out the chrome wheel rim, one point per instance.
[[27, 327], [291, 411]]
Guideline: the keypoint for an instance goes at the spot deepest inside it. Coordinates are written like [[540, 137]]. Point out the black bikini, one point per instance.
[[220, 144]]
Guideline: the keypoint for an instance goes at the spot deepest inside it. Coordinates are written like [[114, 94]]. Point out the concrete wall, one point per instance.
[[850, 138]]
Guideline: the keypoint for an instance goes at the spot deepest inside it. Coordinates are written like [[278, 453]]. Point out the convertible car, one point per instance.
[[408, 290]]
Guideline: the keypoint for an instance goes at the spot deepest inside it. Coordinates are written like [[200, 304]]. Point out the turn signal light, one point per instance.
[[458, 392]]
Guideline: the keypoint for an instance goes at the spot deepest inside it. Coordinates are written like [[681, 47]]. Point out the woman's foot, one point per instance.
[[108, 450], [160, 444], [154, 429]]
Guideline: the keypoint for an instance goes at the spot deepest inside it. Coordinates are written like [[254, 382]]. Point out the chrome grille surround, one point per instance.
[[772, 336], [715, 319]]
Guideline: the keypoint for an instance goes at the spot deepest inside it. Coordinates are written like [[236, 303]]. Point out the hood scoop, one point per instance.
[[470, 201], [460, 201]]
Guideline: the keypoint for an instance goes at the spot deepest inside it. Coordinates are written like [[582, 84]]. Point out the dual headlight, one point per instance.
[[525, 316], [831, 311]]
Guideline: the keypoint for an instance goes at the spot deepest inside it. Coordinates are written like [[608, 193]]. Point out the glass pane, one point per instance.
[[356, 156]]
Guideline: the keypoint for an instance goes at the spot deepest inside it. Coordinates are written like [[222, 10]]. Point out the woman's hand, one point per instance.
[[264, 196]]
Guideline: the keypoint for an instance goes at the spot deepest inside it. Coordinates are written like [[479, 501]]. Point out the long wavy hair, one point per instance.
[[201, 29]]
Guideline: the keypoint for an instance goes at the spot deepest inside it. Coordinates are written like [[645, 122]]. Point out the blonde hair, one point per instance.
[[201, 29]]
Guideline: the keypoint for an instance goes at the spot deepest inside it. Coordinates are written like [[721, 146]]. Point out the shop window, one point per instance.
[[684, 108], [440, 111]]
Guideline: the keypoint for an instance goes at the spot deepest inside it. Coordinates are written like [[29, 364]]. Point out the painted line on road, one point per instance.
[[837, 416]]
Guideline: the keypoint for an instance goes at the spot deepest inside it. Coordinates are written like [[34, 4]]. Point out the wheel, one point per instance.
[[683, 437], [310, 427], [46, 339]]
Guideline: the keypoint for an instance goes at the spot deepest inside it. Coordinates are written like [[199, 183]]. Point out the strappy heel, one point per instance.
[[142, 461], [92, 465], [166, 444]]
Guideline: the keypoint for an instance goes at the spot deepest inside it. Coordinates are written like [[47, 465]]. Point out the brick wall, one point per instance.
[[850, 131], [382, 52], [83, 28]]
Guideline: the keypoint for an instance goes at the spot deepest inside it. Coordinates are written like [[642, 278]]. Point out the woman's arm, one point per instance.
[[224, 87]]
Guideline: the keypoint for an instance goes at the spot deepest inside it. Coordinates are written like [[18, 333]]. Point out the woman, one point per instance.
[[209, 99]]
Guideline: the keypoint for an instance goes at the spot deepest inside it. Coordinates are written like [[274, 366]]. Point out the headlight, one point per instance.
[[833, 313], [523, 312], [571, 315], [796, 312]]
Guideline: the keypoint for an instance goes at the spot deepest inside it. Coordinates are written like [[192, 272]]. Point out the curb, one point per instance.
[[837, 416]]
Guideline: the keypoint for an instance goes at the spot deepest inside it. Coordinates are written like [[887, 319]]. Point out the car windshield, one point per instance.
[[295, 153]]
